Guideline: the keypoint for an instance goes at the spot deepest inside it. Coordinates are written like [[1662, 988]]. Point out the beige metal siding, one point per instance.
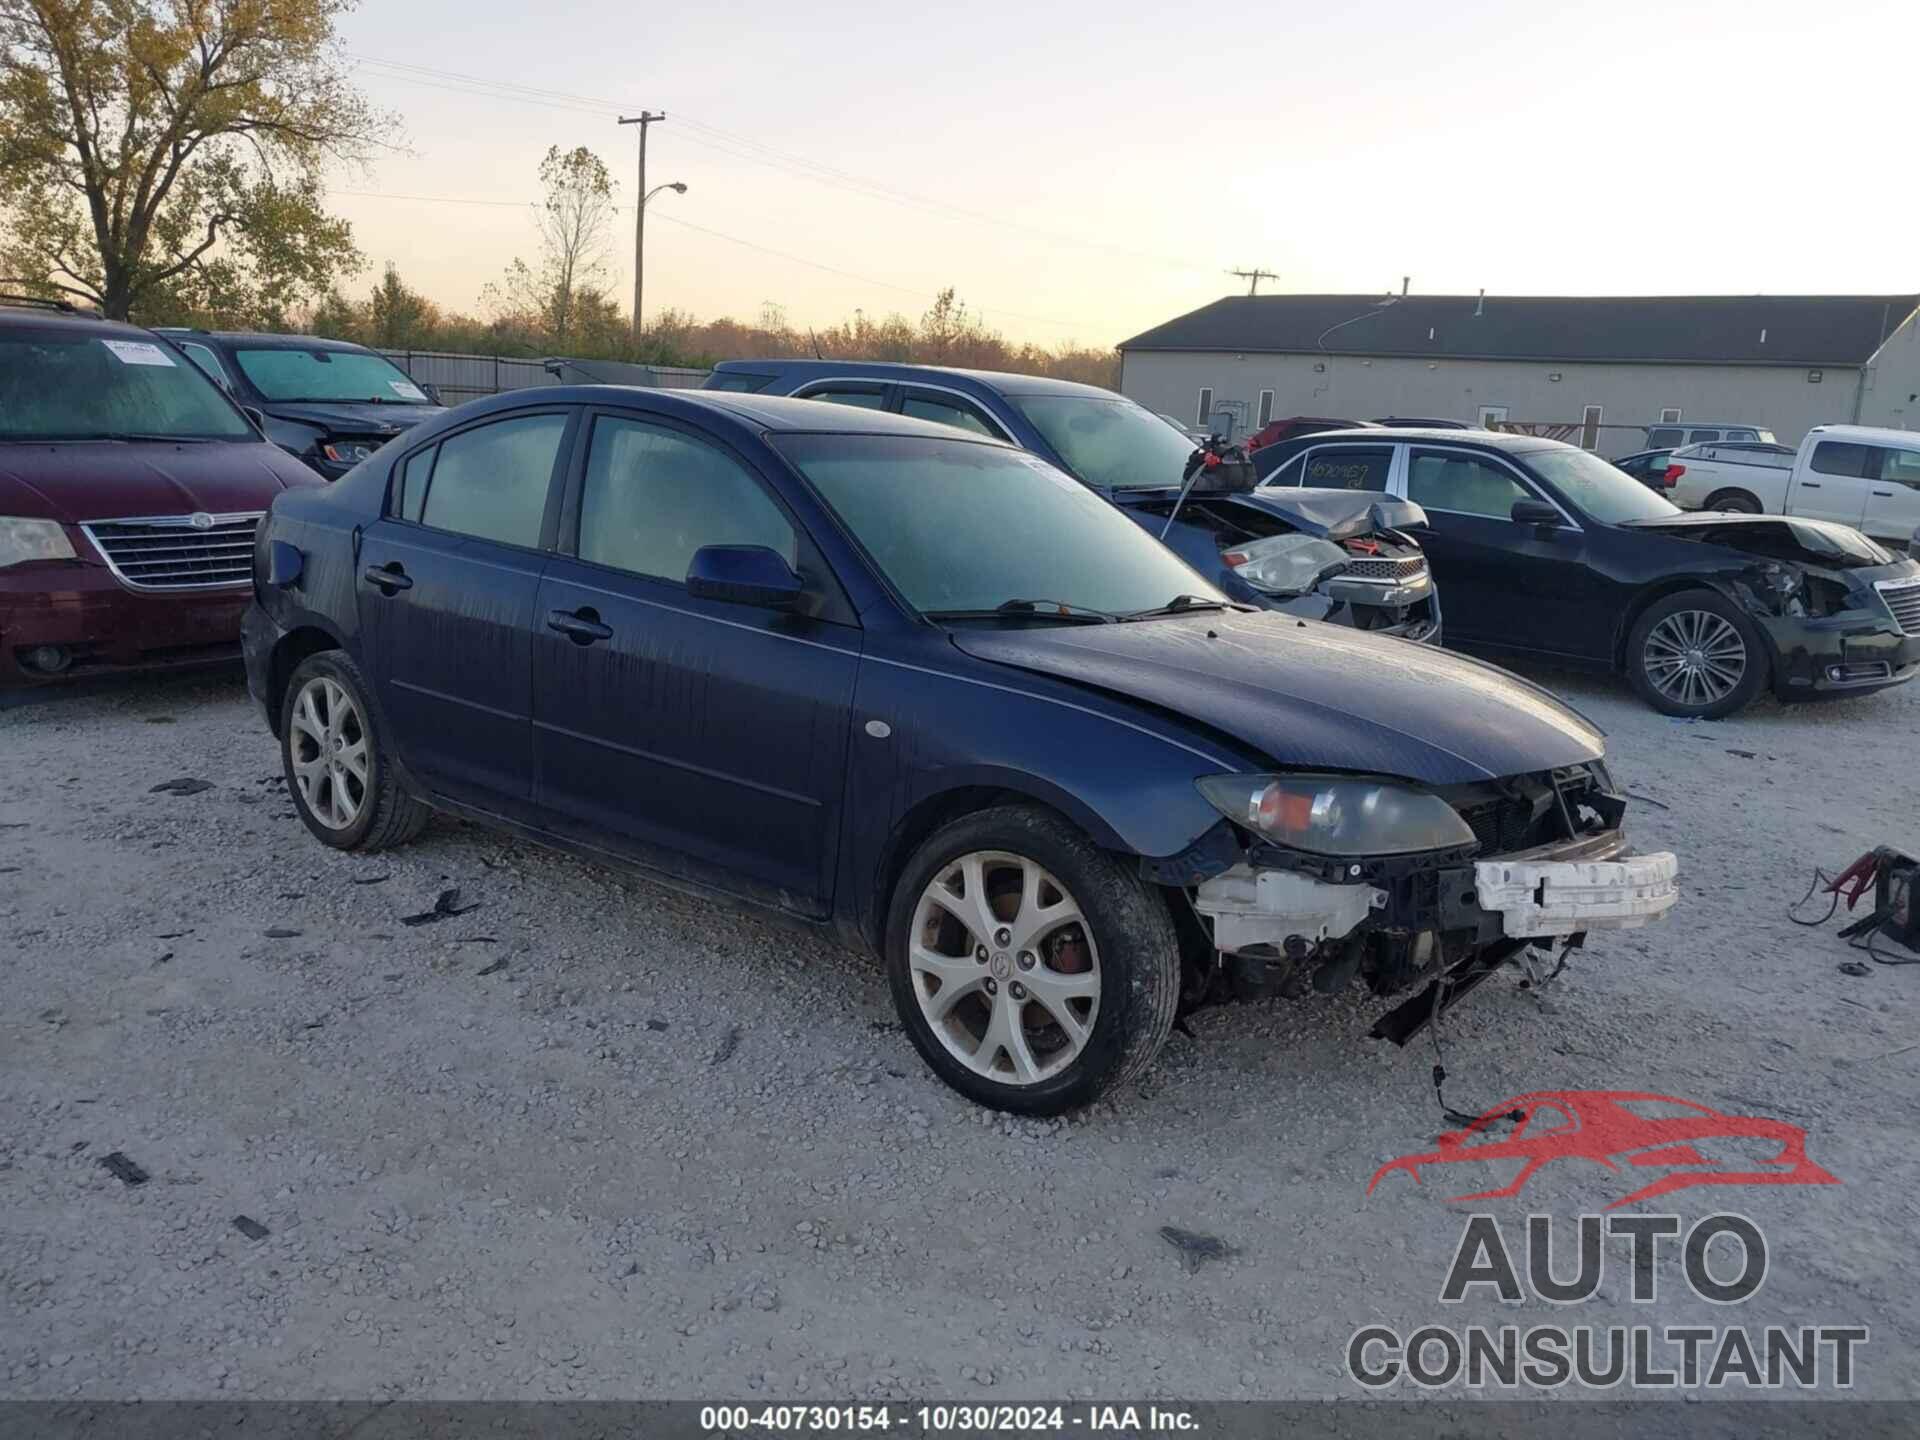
[[1890, 395], [1631, 396]]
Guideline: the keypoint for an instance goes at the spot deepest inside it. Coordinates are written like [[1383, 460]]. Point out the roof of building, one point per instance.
[[1813, 330]]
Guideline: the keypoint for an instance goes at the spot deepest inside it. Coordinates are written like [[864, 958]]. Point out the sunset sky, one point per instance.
[[1082, 172]]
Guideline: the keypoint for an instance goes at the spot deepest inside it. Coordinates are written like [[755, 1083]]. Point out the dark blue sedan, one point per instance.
[[921, 687], [1340, 554]]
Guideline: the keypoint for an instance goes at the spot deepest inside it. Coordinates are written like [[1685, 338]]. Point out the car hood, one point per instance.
[[347, 418], [1312, 696], [108, 480], [1822, 542], [1334, 514]]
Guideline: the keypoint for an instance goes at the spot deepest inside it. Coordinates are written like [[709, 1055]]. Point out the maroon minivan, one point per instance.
[[130, 486]]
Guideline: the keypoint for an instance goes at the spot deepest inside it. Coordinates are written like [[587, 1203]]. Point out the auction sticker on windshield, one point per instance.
[[138, 352], [406, 390]]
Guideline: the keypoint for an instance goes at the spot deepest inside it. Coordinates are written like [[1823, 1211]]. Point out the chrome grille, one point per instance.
[[177, 552], [1903, 599], [1385, 571]]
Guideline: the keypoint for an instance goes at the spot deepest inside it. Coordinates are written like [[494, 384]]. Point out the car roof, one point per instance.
[[50, 318], [1000, 381], [260, 339], [1875, 434], [1412, 435], [778, 414]]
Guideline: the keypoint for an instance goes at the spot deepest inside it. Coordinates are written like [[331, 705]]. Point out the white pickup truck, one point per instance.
[[1858, 475]]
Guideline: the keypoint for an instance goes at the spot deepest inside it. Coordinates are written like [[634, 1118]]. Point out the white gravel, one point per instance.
[[505, 1155]]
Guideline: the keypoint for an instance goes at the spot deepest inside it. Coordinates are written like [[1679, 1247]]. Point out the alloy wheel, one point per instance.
[[329, 749], [1695, 658], [1004, 967]]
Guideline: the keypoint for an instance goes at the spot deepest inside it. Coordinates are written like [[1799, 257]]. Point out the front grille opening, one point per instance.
[[172, 553], [1905, 605]]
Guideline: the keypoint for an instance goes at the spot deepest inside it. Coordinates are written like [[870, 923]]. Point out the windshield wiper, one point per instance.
[[131, 436], [1031, 609], [1179, 605]]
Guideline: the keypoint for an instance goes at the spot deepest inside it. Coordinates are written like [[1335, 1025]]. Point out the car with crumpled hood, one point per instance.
[[812, 658], [1264, 547], [130, 487]]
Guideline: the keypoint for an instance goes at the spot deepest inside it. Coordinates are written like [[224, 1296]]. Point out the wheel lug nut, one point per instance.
[[1017, 990], [992, 989], [980, 953], [1002, 936], [1026, 960]]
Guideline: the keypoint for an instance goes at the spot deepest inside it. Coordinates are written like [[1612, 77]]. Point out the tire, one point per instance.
[[349, 809], [1111, 964], [1734, 502], [1684, 649]]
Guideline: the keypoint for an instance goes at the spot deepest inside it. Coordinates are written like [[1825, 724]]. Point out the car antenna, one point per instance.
[[816, 344]]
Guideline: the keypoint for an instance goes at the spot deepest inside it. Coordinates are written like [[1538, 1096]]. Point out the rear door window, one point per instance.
[[1665, 439], [1463, 484], [1837, 457], [492, 482], [1700, 437], [1348, 468], [738, 381]]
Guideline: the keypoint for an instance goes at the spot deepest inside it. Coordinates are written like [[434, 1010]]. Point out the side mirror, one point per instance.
[[1537, 513], [430, 390], [744, 575]]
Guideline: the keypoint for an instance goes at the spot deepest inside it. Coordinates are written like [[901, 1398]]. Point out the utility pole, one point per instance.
[[643, 120], [1253, 278]]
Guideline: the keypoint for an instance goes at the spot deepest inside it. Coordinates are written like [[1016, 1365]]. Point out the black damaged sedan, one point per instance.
[[1548, 552]]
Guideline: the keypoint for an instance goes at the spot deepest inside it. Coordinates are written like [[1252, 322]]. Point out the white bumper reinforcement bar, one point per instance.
[[1560, 897]]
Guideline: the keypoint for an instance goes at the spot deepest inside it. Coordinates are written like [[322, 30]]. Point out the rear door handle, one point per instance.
[[1809, 484], [1884, 494], [581, 626], [389, 577]]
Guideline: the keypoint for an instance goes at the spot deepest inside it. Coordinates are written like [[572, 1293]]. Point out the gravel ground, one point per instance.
[[593, 1138]]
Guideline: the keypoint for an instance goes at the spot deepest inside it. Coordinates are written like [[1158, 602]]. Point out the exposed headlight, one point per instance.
[[1326, 815], [1285, 564], [24, 540], [348, 452]]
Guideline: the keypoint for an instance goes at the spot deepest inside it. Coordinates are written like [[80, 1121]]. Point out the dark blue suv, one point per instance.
[[1338, 554], [917, 686]]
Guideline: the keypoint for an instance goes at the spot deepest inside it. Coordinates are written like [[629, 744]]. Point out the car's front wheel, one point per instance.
[[338, 771], [1695, 655], [1032, 970]]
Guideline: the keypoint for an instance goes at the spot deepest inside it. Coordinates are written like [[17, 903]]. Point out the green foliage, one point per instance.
[[166, 157]]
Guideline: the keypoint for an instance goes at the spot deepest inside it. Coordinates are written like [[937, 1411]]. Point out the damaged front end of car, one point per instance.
[[1343, 556], [1322, 880], [1841, 612]]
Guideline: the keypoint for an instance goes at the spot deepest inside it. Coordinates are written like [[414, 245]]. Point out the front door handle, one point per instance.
[[1809, 484], [1884, 494], [389, 577], [581, 626]]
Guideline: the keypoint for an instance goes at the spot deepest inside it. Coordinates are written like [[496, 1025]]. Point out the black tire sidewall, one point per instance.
[[1734, 502], [1759, 662], [333, 665], [1092, 878]]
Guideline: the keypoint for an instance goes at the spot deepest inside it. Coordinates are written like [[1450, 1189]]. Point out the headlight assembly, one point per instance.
[[348, 452], [1285, 564], [24, 540], [1331, 815]]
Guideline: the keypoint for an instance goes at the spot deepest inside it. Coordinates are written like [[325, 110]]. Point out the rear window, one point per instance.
[[1664, 439], [739, 381], [67, 385]]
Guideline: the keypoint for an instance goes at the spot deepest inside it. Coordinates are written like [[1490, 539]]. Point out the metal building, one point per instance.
[[1594, 370]]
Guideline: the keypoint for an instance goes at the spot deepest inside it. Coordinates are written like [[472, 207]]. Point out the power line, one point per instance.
[[1253, 278], [743, 147], [918, 292]]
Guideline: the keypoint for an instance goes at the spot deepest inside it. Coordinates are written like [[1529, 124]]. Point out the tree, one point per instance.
[[399, 318], [168, 155], [574, 218]]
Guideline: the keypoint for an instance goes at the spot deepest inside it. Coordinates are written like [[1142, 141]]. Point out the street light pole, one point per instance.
[[643, 120]]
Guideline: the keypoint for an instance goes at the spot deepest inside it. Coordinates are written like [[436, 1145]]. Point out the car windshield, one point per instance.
[[282, 373], [65, 385], [1600, 488], [1114, 444], [967, 527]]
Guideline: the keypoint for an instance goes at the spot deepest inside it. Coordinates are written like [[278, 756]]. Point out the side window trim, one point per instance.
[[1498, 462], [887, 390], [550, 521]]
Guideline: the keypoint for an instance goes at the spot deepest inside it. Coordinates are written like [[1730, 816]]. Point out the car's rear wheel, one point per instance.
[[1733, 502], [338, 772], [1032, 970], [1695, 655]]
